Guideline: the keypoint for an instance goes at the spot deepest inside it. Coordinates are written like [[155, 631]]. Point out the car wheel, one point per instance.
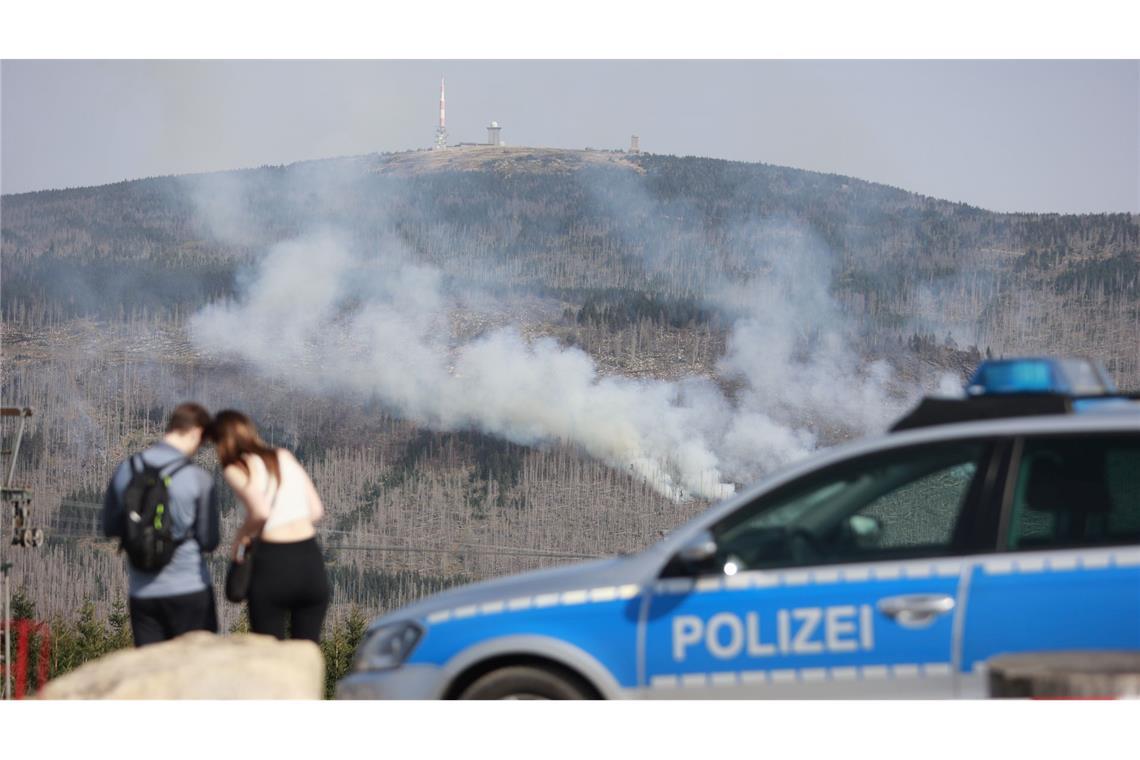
[[525, 682]]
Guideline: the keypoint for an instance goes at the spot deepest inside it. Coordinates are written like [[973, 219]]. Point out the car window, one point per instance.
[[1076, 491], [901, 503]]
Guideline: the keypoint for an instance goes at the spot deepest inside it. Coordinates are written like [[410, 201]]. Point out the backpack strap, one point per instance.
[[138, 464], [184, 462]]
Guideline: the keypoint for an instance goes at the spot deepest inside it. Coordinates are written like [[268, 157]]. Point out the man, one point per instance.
[[179, 596]]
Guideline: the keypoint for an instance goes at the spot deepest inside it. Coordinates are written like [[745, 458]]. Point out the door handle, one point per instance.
[[915, 610]]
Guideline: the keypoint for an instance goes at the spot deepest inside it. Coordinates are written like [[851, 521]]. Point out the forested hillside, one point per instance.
[[670, 228], [638, 260]]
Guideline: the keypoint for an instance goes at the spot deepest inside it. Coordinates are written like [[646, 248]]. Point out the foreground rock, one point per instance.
[[200, 665]]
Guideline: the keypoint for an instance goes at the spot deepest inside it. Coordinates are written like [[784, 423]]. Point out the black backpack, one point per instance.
[[148, 537]]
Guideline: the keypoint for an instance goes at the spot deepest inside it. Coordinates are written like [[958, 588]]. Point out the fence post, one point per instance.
[[5, 617], [45, 656], [22, 631]]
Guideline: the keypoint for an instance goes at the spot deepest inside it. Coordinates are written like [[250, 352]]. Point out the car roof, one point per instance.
[[1089, 421], [1005, 427]]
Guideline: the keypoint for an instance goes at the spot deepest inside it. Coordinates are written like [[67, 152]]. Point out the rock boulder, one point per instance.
[[200, 665]]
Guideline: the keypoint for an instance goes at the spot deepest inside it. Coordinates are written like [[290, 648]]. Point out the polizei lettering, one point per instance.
[[799, 631]]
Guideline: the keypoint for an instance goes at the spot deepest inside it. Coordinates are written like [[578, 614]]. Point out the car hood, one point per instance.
[[610, 571]]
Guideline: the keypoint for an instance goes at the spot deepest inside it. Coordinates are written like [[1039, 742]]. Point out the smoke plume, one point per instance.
[[331, 319]]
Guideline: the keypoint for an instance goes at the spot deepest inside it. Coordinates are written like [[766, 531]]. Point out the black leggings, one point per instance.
[[288, 583]]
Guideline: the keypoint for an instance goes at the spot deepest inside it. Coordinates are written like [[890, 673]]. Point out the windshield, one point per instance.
[[899, 503]]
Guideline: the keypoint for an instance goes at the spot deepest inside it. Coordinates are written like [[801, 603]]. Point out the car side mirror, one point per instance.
[[698, 550], [864, 530]]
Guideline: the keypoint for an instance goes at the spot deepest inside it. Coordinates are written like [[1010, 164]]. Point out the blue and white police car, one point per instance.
[[888, 567]]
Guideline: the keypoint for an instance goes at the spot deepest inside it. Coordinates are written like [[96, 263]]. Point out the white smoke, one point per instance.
[[328, 320]]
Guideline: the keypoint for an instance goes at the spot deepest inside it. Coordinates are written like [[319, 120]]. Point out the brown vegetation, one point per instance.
[[614, 254]]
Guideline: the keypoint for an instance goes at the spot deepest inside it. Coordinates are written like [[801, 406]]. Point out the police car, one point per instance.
[[887, 567]]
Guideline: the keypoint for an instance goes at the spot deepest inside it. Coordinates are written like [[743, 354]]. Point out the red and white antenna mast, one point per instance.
[[441, 130]]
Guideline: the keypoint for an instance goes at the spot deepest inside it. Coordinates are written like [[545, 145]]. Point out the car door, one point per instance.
[[842, 583], [1068, 573]]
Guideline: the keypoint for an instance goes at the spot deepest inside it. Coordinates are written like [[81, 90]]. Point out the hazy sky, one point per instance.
[[1005, 135]]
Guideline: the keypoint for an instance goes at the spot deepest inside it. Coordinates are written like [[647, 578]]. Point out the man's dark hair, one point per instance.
[[188, 416]]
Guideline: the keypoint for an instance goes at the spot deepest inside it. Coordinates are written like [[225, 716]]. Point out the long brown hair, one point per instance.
[[234, 434]]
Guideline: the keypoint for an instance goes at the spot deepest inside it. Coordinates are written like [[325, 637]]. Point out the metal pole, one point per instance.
[[5, 567], [7, 624]]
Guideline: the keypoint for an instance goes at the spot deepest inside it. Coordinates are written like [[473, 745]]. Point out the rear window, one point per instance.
[[1077, 491]]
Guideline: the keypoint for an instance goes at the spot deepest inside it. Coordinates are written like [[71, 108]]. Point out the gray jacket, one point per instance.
[[194, 508]]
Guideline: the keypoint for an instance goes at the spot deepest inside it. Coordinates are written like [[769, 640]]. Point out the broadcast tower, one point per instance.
[[441, 130]]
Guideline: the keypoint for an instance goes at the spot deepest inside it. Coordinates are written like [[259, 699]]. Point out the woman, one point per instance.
[[288, 585]]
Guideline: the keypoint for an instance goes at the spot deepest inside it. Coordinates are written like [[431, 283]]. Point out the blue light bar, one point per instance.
[[1070, 376], [1015, 376]]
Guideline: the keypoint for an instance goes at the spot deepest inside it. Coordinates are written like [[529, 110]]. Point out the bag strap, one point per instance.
[[184, 463], [138, 464], [277, 490], [268, 482]]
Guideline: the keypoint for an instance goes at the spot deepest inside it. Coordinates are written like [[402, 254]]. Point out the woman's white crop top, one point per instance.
[[289, 499]]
